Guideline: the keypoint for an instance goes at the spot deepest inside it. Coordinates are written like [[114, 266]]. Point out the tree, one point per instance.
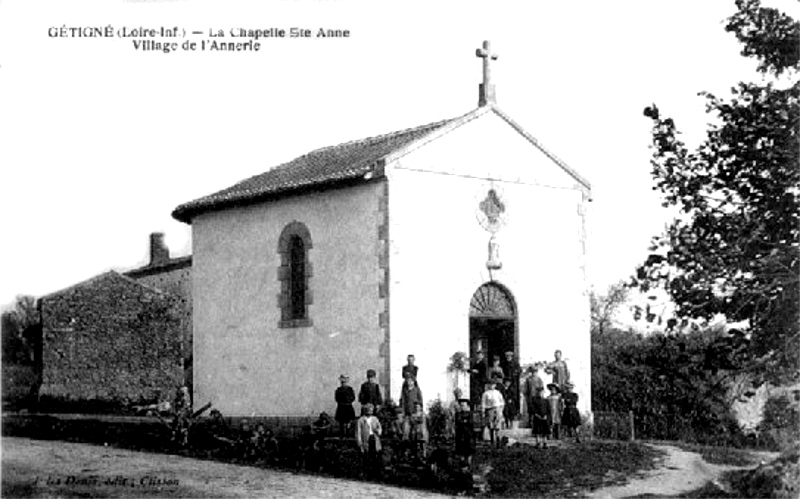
[[19, 330], [603, 307], [734, 248]]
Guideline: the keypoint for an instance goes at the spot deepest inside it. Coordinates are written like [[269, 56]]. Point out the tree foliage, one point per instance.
[[733, 249], [18, 330], [676, 385], [604, 307]]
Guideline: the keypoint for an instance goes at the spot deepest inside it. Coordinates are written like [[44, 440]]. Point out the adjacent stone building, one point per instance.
[[174, 276], [111, 339]]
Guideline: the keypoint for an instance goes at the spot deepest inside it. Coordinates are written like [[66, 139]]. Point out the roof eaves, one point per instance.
[[108, 274], [436, 133], [185, 212], [584, 183], [176, 263]]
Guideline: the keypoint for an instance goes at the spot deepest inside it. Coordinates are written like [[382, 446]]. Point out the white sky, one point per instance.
[[99, 142]]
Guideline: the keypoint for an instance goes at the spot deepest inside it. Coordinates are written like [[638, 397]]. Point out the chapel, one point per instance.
[[462, 235]]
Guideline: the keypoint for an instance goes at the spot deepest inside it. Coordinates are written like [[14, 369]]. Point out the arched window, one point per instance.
[[294, 275]]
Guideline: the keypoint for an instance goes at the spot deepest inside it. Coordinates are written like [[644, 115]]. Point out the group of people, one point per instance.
[[547, 414], [368, 428], [504, 378]]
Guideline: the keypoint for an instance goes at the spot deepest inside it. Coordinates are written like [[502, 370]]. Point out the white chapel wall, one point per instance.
[[439, 252], [244, 364]]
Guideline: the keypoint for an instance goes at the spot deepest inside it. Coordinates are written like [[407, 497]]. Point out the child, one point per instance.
[[368, 433], [452, 412], [410, 396], [345, 396], [572, 417], [492, 405], [244, 441], [306, 456], [539, 411], [258, 441], [556, 406], [270, 447], [510, 409], [418, 430], [496, 372], [465, 437], [322, 426]]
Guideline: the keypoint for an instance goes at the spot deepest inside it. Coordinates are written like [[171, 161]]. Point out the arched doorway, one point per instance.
[[492, 328]]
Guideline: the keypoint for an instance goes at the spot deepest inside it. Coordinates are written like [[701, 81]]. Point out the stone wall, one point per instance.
[[111, 339], [174, 278]]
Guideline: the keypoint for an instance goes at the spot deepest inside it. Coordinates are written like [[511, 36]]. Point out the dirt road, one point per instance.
[[38, 468], [681, 471]]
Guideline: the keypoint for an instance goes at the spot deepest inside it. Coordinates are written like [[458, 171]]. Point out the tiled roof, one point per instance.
[[111, 275], [348, 161], [167, 266]]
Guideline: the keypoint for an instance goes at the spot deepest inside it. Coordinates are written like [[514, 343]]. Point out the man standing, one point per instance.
[[513, 372], [479, 369], [558, 368], [533, 388], [370, 392], [410, 369]]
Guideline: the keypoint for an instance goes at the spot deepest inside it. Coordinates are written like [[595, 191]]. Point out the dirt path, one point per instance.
[[681, 471], [38, 468]]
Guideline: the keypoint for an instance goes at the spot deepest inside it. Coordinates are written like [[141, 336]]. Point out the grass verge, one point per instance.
[[571, 470], [721, 455]]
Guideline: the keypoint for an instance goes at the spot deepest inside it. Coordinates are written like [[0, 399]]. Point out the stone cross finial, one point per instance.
[[486, 89]]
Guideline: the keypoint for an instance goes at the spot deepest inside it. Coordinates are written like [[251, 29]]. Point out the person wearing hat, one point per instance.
[[539, 414], [344, 396], [370, 392], [556, 406], [572, 417]]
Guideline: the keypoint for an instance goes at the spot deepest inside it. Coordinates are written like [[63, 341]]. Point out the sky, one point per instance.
[[99, 142]]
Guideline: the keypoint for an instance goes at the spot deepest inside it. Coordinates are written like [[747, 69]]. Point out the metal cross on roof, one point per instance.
[[486, 88]]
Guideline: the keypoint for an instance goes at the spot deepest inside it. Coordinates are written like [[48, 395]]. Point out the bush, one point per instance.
[[438, 416], [675, 385], [780, 478], [20, 385], [781, 422]]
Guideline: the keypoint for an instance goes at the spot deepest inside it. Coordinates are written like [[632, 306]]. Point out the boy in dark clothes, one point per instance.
[[510, 409], [410, 370], [345, 396], [370, 392], [270, 449], [465, 436], [244, 440], [322, 426], [571, 418], [539, 410]]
